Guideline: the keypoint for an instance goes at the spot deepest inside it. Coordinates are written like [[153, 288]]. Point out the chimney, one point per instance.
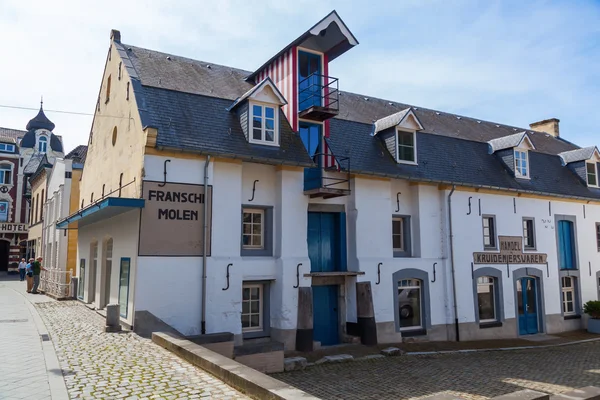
[[550, 126], [115, 35]]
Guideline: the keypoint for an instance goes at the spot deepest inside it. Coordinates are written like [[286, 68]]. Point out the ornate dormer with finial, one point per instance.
[[40, 141]]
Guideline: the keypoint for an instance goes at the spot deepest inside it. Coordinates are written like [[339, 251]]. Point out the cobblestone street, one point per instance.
[[470, 375], [97, 365]]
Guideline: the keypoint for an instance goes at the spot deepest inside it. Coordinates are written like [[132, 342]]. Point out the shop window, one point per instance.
[[410, 304], [486, 299]]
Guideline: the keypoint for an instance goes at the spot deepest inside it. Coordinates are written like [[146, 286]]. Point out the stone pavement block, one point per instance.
[[584, 393], [339, 358], [392, 351], [524, 395], [294, 363]]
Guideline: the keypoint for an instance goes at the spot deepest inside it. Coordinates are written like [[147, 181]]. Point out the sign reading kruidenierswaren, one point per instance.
[[172, 221], [511, 252]]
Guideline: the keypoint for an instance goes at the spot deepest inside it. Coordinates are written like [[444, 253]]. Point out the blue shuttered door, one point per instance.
[[325, 314], [309, 80], [566, 245], [527, 306]]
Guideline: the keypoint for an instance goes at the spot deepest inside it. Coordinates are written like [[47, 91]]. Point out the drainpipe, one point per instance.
[[452, 262], [204, 243]]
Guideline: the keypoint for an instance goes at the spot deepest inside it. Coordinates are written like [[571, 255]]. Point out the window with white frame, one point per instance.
[[592, 174], [6, 174], [252, 307], [253, 228], [489, 232], [568, 295], [486, 299], [528, 233], [7, 148], [521, 163], [264, 124], [410, 304], [42, 144], [407, 148], [401, 242]]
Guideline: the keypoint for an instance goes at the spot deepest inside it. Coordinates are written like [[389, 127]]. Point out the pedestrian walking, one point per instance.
[[29, 275], [22, 268], [37, 268]]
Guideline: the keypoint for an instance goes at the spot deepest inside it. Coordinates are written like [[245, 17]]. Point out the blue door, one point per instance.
[[566, 245], [325, 314], [311, 135], [527, 306], [309, 80]]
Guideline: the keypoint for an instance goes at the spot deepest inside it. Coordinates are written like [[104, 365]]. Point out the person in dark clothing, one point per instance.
[[37, 268]]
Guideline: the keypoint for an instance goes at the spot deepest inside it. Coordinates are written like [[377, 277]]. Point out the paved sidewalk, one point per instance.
[[28, 366]]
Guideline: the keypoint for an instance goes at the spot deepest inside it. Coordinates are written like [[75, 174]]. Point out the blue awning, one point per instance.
[[101, 210]]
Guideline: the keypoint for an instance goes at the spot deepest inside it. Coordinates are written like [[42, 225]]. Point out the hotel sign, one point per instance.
[[511, 252], [172, 221], [7, 227]]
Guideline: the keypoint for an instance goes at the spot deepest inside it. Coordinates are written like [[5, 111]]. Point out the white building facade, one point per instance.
[[269, 204]]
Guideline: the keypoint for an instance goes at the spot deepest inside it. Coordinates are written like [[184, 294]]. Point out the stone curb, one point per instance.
[[247, 380], [424, 353]]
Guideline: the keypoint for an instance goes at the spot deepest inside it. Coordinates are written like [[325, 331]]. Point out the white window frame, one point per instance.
[[403, 131], [420, 287], [587, 179], [263, 107], [493, 234], [7, 147], [402, 234], [2, 173], [532, 233], [252, 234], [564, 290], [494, 296], [261, 289], [43, 140], [518, 173]]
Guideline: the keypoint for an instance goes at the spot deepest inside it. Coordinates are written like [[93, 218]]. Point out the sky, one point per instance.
[[511, 62]]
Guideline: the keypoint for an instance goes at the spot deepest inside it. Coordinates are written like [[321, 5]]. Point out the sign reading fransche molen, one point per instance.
[[511, 252], [173, 219]]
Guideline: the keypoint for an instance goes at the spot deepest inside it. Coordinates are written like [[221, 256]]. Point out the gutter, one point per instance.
[[204, 242], [455, 306]]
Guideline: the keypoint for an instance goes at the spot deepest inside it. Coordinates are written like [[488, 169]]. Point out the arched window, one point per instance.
[[410, 303], [6, 174], [42, 144]]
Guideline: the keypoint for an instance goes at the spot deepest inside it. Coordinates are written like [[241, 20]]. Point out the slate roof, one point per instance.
[[14, 134], [506, 142], [187, 101], [40, 121], [78, 154], [438, 162], [578, 155], [28, 141], [34, 163]]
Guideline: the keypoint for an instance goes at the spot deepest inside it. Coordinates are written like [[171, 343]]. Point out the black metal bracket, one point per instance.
[[584, 211], [472, 271], [297, 276], [434, 264], [547, 270], [378, 273], [164, 173], [527, 271], [480, 207], [549, 209], [398, 201], [507, 270], [515, 204], [590, 264], [253, 189], [470, 197], [228, 265]]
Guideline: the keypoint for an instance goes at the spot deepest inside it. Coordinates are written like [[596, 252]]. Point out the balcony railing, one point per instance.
[[330, 179], [318, 97]]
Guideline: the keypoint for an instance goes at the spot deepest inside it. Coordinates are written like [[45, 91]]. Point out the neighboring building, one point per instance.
[[13, 209], [329, 214], [39, 149], [60, 250]]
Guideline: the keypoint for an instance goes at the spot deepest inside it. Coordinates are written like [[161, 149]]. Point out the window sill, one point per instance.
[[568, 317], [486, 325], [406, 162], [262, 143], [490, 249], [569, 269], [256, 253], [413, 332]]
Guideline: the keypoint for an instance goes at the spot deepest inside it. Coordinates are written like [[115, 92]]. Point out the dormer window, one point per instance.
[[42, 144], [7, 148], [407, 147], [264, 125], [592, 174], [521, 163]]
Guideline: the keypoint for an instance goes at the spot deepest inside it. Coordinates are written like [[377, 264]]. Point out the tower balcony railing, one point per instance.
[[318, 97], [330, 179]]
